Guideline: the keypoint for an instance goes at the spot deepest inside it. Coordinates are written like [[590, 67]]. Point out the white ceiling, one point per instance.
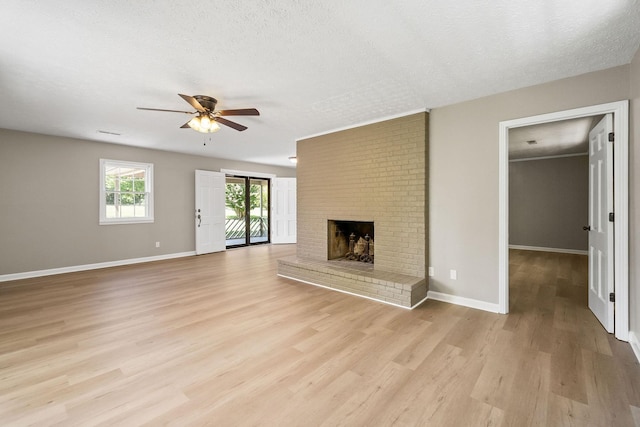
[[74, 68]]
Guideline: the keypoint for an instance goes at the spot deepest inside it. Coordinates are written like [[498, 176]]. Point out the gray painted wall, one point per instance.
[[49, 202], [463, 167], [548, 203]]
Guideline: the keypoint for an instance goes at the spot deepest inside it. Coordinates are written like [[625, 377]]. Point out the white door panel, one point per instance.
[[283, 210], [601, 280], [210, 212]]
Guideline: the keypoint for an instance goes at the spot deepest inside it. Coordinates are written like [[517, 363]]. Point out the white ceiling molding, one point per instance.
[[560, 156], [357, 125]]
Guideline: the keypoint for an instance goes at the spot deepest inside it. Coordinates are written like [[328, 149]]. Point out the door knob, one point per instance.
[[199, 220], [587, 228]]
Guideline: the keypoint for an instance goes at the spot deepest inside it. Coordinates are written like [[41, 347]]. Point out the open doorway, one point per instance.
[[549, 186], [619, 187], [548, 211]]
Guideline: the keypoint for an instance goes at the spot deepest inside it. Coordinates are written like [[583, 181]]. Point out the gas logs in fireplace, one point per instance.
[[350, 240]]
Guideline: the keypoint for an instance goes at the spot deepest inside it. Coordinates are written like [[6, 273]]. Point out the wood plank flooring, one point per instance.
[[221, 340]]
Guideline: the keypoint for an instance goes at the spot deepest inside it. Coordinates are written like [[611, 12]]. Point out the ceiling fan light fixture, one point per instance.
[[214, 127], [203, 124], [195, 123]]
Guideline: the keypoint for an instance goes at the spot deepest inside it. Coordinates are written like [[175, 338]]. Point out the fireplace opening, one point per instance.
[[350, 240]]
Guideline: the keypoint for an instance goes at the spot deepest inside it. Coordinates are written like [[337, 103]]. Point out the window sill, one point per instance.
[[127, 221]]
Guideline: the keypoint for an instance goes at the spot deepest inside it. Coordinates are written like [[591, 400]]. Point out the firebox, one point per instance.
[[350, 240]]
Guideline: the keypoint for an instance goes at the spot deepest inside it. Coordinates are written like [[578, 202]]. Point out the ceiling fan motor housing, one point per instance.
[[207, 102]]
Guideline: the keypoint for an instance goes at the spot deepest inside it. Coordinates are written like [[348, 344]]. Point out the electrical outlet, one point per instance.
[[431, 272], [453, 274], [157, 244]]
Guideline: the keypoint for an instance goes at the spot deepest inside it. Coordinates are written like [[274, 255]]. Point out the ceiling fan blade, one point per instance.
[[185, 126], [169, 111], [240, 112], [229, 123], [194, 102]]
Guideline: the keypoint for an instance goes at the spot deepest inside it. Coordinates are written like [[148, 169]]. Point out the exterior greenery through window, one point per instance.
[[235, 198], [126, 194]]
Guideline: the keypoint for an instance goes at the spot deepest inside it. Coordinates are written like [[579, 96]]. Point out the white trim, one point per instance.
[[621, 223], [635, 344], [503, 218], [369, 122], [466, 302], [351, 293], [120, 221], [559, 156], [84, 267], [148, 182], [247, 174], [555, 250], [620, 110]]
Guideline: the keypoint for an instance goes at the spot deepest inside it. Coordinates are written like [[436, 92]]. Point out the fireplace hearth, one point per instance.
[[350, 241]]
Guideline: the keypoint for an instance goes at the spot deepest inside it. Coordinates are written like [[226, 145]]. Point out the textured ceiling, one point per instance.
[[75, 68]]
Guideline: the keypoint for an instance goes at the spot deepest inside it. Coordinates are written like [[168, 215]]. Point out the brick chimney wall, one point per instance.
[[376, 172]]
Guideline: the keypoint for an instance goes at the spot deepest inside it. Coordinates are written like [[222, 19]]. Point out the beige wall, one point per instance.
[[463, 200], [634, 214], [549, 202], [49, 202]]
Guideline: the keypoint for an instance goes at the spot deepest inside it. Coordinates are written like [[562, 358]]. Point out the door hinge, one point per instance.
[[611, 137], [612, 297], [611, 217]]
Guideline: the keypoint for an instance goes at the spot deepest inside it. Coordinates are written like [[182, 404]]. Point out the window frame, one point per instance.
[[148, 167]]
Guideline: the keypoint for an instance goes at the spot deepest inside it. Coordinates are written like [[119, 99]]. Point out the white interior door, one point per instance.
[[601, 280], [210, 212], [283, 210]]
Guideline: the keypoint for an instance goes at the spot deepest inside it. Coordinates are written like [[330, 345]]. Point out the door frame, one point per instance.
[[620, 110], [247, 219]]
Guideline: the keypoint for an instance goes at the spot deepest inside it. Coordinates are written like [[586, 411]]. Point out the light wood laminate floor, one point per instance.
[[221, 340]]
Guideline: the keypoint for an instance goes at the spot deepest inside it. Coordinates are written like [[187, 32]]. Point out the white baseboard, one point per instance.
[[84, 267], [635, 344], [466, 302], [556, 250]]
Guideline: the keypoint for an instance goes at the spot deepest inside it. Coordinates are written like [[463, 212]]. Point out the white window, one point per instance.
[[126, 192]]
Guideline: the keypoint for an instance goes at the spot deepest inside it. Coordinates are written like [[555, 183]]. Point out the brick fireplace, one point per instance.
[[373, 174]]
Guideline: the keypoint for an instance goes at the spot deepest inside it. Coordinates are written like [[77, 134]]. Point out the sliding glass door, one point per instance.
[[247, 210]]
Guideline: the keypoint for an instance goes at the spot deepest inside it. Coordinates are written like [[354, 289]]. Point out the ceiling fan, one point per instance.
[[207, 118]]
